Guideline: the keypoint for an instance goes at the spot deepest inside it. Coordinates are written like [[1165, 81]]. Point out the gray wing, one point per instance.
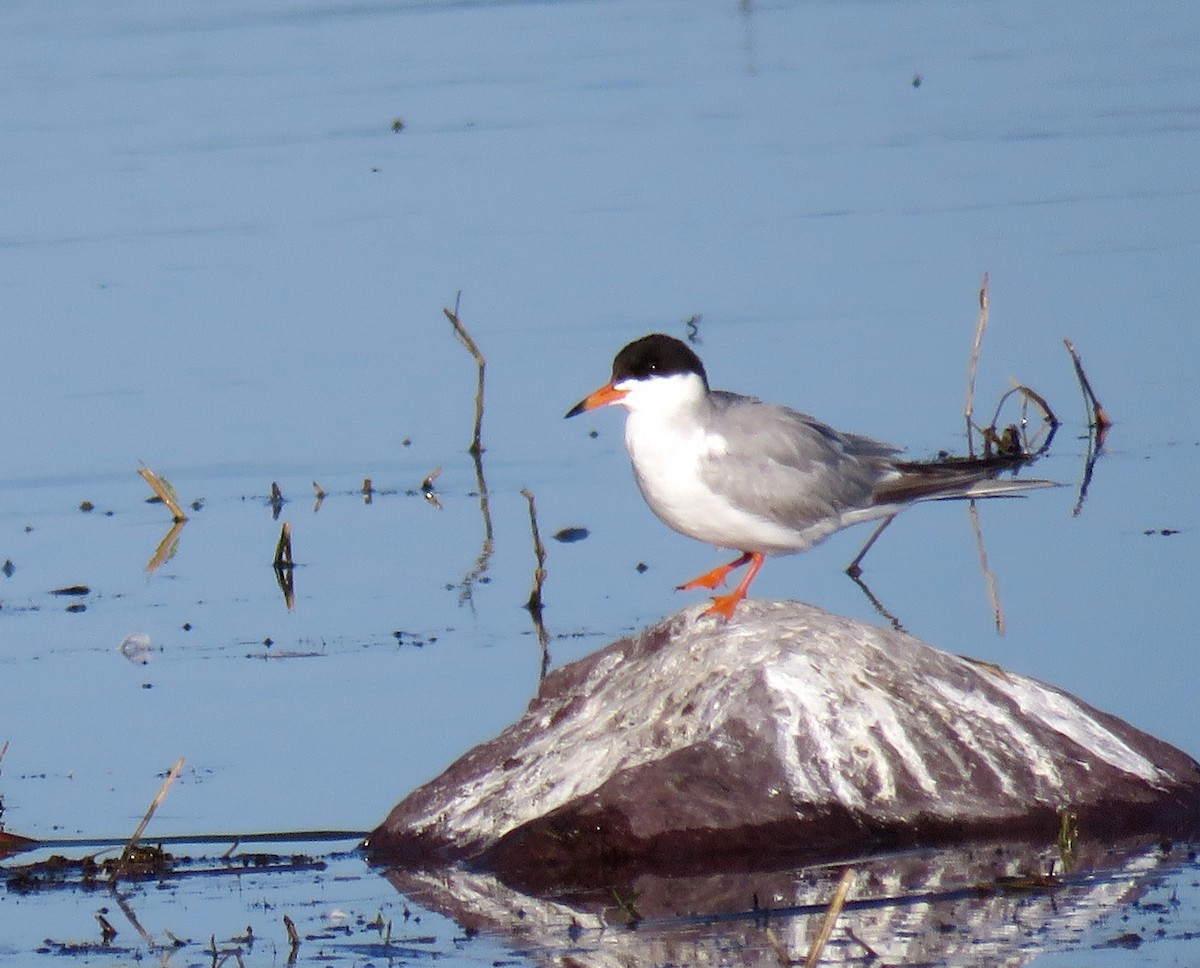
[[788, 466]]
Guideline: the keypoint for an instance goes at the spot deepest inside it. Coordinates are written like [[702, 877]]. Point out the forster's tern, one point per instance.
[[761, 478]]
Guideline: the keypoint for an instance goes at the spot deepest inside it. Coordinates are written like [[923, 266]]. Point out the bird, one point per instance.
[[761, 478]]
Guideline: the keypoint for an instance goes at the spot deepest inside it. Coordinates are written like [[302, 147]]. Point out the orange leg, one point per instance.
[[724, 605], [716, 577]]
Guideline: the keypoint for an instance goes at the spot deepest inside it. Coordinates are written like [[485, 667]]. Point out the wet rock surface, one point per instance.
[[789, 732]]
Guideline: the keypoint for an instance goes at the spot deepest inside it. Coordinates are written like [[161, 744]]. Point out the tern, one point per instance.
[[761, 478]]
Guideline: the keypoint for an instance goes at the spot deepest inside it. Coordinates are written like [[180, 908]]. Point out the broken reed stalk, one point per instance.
[[1100, 418], [137, 834], [473, 348], [163, 491], [539, 575], [831, 916], [3, 751], [969, 410]]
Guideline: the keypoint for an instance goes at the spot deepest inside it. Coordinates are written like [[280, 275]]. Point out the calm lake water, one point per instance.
[[229, 233]]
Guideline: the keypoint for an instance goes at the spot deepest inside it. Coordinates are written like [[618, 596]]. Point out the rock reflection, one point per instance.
[[964, 906]]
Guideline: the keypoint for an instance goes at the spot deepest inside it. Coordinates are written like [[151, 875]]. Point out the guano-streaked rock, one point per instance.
[[788, 731]]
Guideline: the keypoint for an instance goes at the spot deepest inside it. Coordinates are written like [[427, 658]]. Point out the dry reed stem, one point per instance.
[[831, 916], [163, 491], [3, 751], [539, 550], [141, 827], [473, 348], [969, 410]]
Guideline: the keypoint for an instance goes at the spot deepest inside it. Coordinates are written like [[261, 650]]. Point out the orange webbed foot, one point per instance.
[[716, 577], [724, 605]]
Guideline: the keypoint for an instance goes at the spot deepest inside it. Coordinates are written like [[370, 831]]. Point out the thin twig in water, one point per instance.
[[1100, 418], [989, 576], [539, 575], [119, 869], [466, 339], [163, 491], [292, 933], [107, 931], [831, 916], [3, 751], [320, 492], [969, 410]]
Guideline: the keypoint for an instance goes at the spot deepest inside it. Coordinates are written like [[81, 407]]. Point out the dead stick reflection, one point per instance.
[[285, 566], [166, 548], [831, 915], [132, 918], [163, 490], [535, 603], [988, 574], [277, 500], [476, 452], [427, 490], [119, 869]]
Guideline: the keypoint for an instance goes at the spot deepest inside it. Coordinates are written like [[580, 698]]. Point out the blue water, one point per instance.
[[218, 258]]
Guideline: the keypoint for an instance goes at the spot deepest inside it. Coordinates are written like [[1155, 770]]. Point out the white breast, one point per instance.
[[666, 455]]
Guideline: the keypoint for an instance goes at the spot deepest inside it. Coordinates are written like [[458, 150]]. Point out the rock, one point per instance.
[[786, 732]]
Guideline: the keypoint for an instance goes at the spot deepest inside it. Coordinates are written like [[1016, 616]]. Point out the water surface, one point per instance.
[[220, 258]]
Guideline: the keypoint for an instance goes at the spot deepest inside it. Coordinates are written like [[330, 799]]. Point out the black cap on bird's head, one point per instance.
[[656, 355], [650, 356]]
